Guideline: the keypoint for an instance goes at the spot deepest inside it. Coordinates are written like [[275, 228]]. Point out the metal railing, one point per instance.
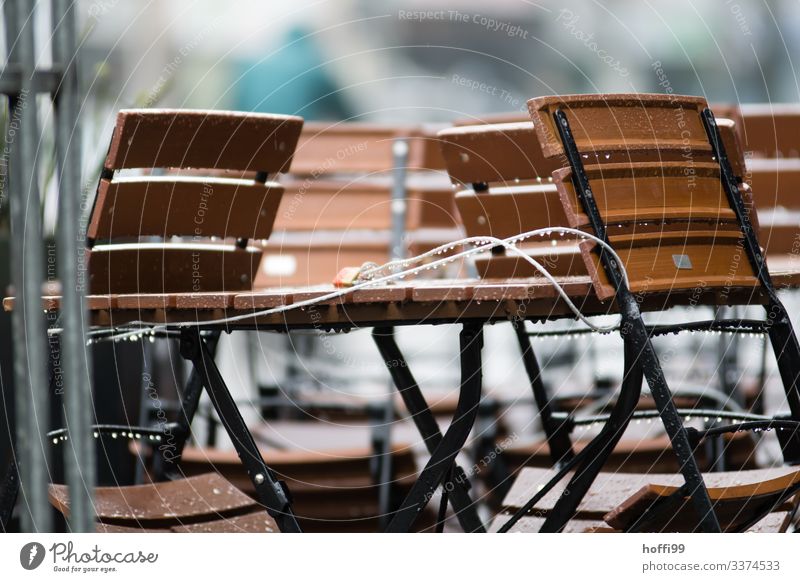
[[21, 82]]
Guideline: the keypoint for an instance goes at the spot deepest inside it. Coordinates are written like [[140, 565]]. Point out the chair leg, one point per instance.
[[382, 415], [443, 449], [673, 424], [558, 441], [600, 447], [271, 492], [787, 353]]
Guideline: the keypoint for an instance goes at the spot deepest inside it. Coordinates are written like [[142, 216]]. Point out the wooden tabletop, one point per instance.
[[416, 302]]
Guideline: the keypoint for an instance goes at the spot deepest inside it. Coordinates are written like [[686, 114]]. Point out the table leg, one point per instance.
[[189, 402], [426, 424], [448, 446], [271, 492]]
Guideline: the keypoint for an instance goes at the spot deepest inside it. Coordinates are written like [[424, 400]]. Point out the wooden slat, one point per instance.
[[691, 261], [256, 522], [171, 268], [199, 208], [775, 182], [771, 130], [614, 123], [195, 498], [360, 205], [179, 138], [507, 212], [610, 490], [494, 153], [354, 147], [777, 522], [562, 260], [645, 192], [735, 504], [331, 490]]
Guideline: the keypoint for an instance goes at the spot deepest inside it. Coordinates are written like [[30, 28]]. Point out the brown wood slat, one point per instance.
[[212, 300], [195, 498], [771, 130], [611, 489], [562, 260], [734, 504], [777, 522], [436, 291], [680, 230], [646, 192], [360, 205], [171, 268], [198, 208], [147, 300], [717, 261], [354, 147], [775, 183], [615, 123], [494, 153], [165, 138], [510, 212], [256, 522]]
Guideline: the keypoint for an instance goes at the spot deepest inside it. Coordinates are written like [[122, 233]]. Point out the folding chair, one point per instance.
[[676, 226], [618, 500], [162, 178], [506, 188]]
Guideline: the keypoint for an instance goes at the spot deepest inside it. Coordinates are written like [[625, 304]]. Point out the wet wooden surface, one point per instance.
[[207, 497]]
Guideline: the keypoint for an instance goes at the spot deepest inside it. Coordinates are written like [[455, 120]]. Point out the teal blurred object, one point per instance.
[[293, 81]]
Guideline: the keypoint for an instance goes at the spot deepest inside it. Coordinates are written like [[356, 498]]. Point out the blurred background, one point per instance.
[[423, 60]]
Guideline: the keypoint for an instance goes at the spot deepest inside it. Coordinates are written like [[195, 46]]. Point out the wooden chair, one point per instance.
[[205, 503], [357, 192], [650, 175], [506, 187], [334, 489], [617, 500], [203, 178]]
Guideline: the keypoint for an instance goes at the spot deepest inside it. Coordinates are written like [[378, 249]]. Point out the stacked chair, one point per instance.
[[642, 203], [650, 175], [506, 188]]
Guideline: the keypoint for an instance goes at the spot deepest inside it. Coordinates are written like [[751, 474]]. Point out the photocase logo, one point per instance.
[[31, 555]]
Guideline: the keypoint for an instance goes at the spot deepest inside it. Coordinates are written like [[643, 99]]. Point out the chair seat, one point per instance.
[[611, 491], [206, 502], [776, 522]]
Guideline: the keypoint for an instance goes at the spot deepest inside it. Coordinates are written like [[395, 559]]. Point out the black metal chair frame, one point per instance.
[[641, 361]]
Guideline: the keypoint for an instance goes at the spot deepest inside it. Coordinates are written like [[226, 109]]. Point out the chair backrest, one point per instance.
[[771, 130], [507, 187], [177, 191], [338, 208], [775, 184], [657, 188]]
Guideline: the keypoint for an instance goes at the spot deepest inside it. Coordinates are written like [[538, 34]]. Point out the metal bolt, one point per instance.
[[259, 478]]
